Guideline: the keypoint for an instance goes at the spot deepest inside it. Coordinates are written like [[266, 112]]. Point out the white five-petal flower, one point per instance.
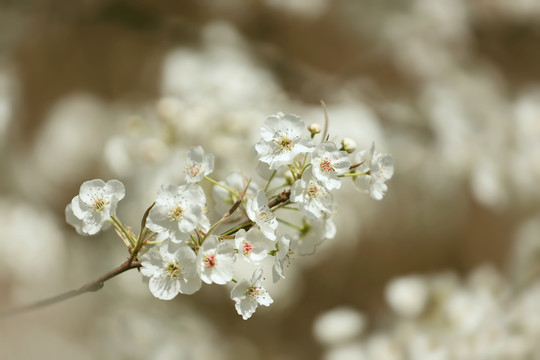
[[94, 205], [215, 261], [178, 210], [378, 168], [283, 137], [314, 233], [172, 269], [252, 246], [198, 165], [224, 198], [248, 295], [314, 199], [329, 162], [258, 211]]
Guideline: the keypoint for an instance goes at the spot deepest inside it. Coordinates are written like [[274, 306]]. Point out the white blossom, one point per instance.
[[313, 233], [177, 211], [252, 245], [258, 211], [328, 162], [282, 254], [378, 168], [198, 165], [283, 137], [215, 261], [94, 205], [248, 295], [172, 269], [312, 196], [235, 181]]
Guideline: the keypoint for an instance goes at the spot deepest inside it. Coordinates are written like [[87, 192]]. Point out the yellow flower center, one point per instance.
[[100, 203], [173, 270], [176, 213], [285, 143]]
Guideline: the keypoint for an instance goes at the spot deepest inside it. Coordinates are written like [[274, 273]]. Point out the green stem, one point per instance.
[[154, 242], [241, 226], [304, 169], [290, 224], [124, 230], [235, 193], [304, 162], [270, 180], [354, 174], [289, 208]]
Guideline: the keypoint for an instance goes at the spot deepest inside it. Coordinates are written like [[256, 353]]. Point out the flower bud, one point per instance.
[[314, 129], [348, 145], [289, 177]]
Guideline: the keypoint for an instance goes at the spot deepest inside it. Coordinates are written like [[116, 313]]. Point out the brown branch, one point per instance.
[[282, 198], [238, 202], [94, 285], [129, 264]]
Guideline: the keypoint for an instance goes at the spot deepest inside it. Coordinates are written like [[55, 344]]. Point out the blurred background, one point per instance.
[[446, 266]]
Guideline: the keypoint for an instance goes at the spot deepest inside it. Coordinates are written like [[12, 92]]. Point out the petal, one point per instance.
[[239, 239], [116, 188], [190, 285], [263, 298], [72, 220], [208, 164], [164, 287], [92, 223], [89, 188], [246, 307], [239, 291], [79, 209], [195, 155]]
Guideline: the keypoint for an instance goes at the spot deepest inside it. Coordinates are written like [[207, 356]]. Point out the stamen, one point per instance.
[[254, 291], [173, 270], [326, 165], [176, 213], [99, 203], [247, 248], [210, 260]]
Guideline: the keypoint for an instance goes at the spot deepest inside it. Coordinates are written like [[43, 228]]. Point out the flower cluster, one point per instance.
[[180, 246]]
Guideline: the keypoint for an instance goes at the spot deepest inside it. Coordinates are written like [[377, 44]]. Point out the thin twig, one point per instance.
[[228, 213], [94, 285], [282, 197], [130, 263]]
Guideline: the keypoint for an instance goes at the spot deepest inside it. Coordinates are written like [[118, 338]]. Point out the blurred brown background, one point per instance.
[[114, 50]]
